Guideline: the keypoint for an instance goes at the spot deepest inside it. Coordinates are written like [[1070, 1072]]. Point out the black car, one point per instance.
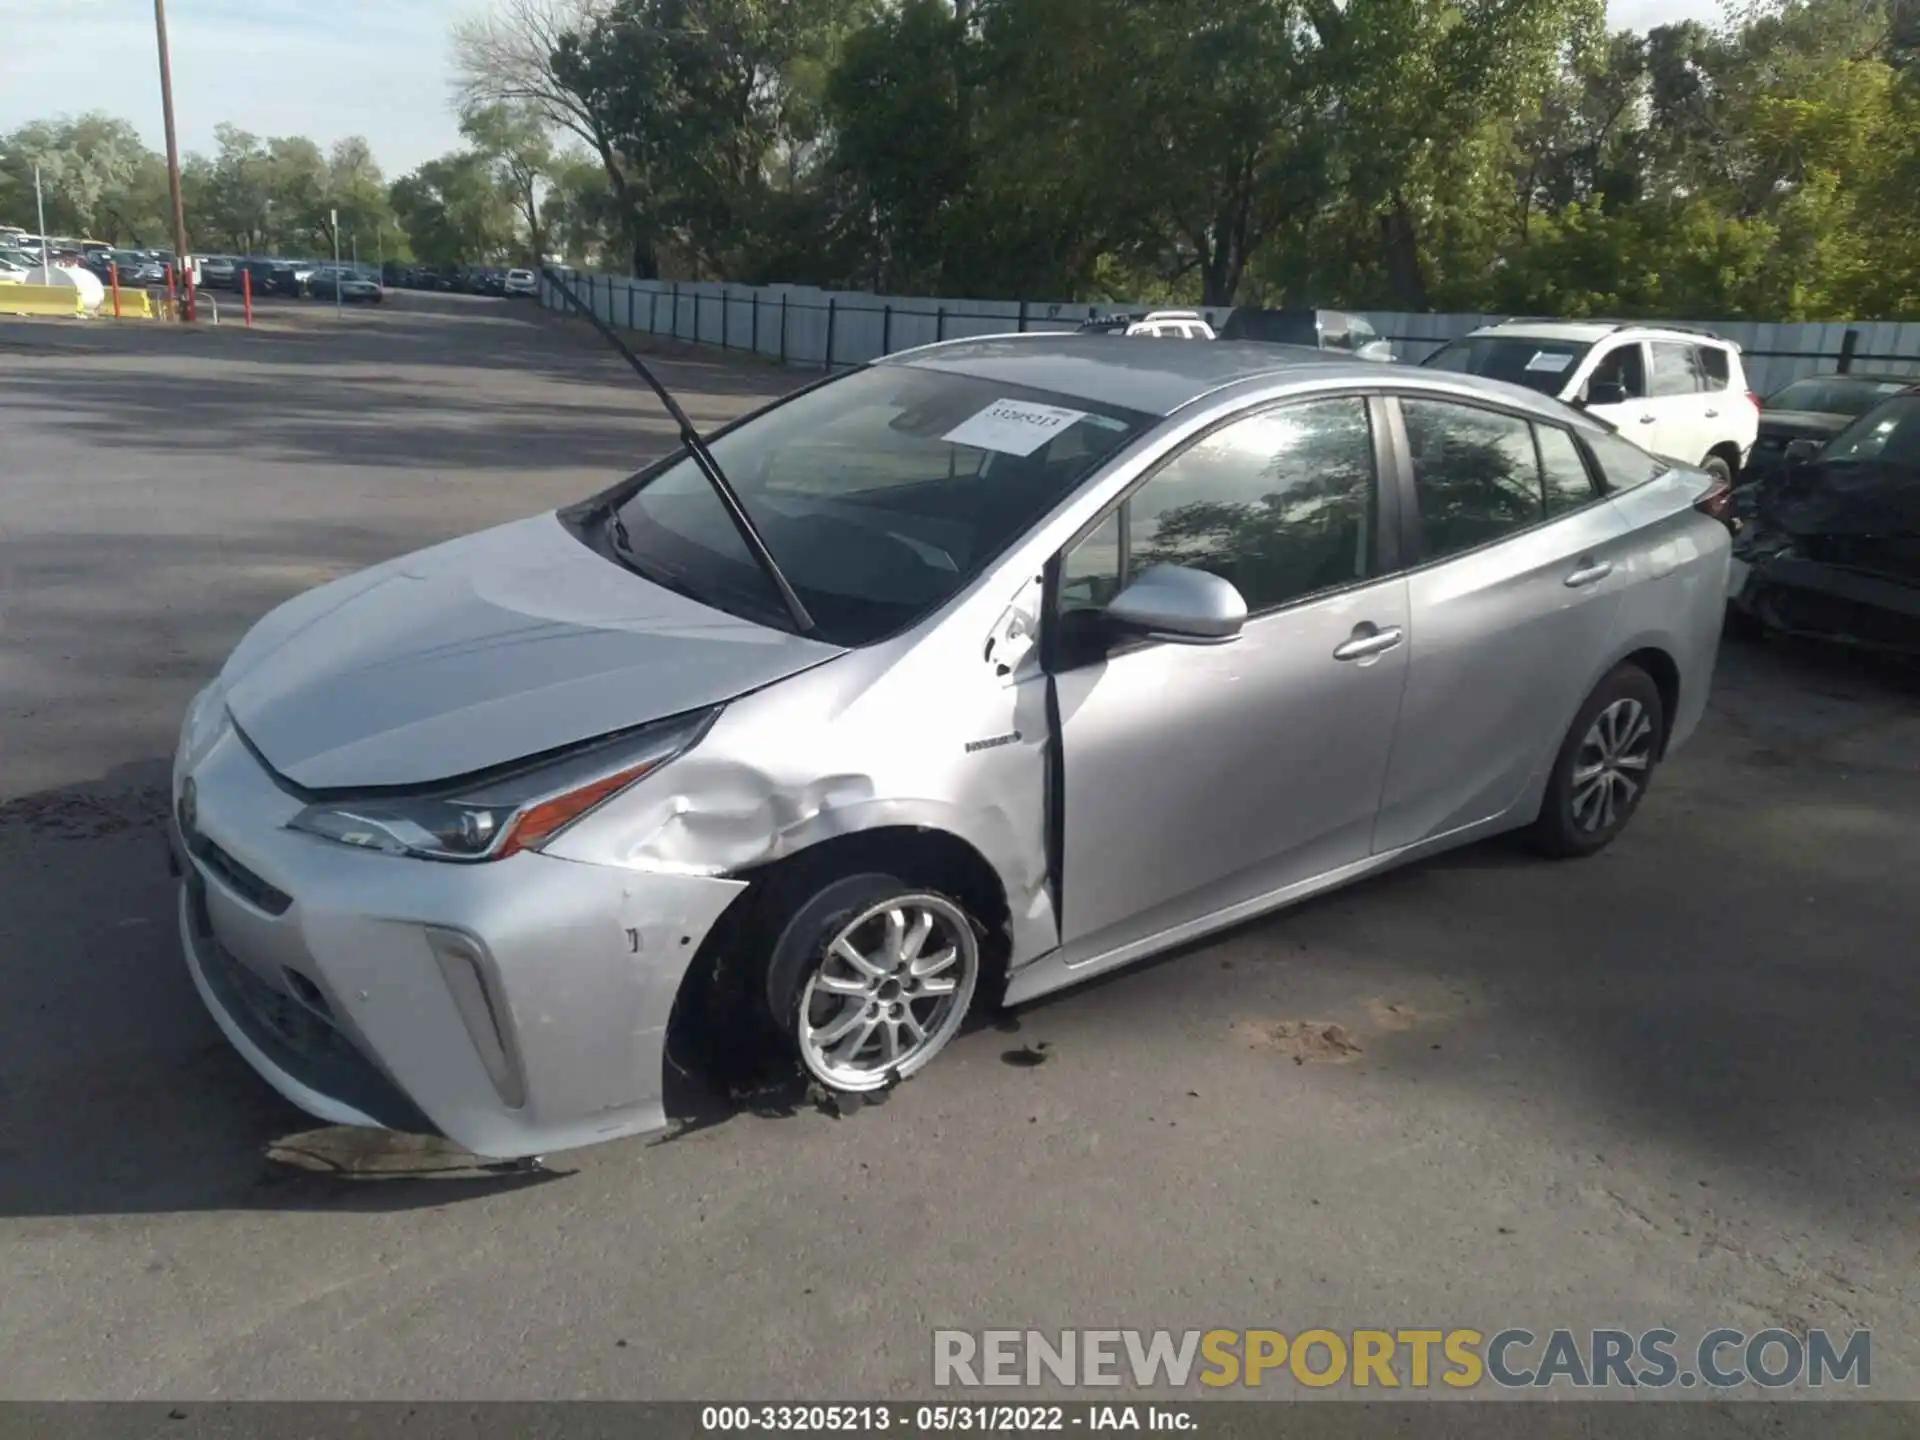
[[269, 277], [1832, 548], [1816, 407], [1316, 329]]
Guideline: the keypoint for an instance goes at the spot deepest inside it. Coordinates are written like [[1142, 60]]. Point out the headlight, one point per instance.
[[206, 719], [488, 819]]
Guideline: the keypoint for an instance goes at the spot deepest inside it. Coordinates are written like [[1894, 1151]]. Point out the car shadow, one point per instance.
[[117, 1093]]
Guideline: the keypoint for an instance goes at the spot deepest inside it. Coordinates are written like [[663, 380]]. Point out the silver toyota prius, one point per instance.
[[983, 670]]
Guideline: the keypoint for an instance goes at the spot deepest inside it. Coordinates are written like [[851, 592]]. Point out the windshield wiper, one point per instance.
[[702, 458]]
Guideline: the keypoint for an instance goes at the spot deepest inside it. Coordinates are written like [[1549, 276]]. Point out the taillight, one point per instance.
[[1717, 503], [1754, 400]]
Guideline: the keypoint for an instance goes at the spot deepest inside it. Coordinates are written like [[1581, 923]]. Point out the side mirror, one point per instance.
[[1188, 607], [1799, 452], [1606, 392], [1375, 350]]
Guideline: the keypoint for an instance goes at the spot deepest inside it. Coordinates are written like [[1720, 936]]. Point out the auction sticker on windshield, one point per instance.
[[1013, 427], [1548, 361]]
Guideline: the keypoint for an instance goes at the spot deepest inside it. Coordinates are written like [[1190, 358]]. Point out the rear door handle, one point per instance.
[[1713, 414], [1589, 572], [1374, 642], [1646, 419]]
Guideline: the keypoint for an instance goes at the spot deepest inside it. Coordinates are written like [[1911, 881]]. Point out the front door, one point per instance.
[[1625, 364], [1198, 777]]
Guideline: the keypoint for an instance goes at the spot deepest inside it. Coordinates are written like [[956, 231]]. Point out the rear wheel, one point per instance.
[[1604, 766], [870, 978], [1718, 467]]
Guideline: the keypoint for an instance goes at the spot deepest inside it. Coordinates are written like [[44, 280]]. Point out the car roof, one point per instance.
[[1150, 374], [1585, 332]]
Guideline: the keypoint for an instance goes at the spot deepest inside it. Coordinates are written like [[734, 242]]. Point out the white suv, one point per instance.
[[1678, 392]]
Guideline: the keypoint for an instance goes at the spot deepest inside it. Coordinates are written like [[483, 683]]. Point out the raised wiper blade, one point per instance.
[[702, 458]]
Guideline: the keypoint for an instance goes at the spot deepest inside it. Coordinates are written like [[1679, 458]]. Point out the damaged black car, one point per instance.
[[1829, 546]]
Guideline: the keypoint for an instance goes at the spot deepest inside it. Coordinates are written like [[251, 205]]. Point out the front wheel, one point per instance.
[[870, 979], [1604, 766]]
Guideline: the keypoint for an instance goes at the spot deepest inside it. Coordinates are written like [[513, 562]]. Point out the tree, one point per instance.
[[516, 139], [513, 56], [453, 211]]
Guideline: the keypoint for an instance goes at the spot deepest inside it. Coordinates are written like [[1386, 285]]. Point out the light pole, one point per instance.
[[40, 210], [173, 144]]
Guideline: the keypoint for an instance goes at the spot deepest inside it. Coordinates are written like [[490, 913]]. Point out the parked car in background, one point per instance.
[[136, 269], [349, 285], [1170, 324], [973, 693], [1816, 407], [1831, 548], [271, 277], [522, 282], [1678, 392], [1316, 329], [219, 272]]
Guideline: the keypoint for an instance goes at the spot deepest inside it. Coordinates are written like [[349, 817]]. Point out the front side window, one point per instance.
[[1622, 366], [1279, 504], [880, 495], [1674, 371]]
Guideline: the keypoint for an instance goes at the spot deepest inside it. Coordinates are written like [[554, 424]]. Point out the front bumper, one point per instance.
[[518, 1007]]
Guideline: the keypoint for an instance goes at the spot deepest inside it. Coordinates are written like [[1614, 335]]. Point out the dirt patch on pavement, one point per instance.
[[66, 815], [1318, 1041]]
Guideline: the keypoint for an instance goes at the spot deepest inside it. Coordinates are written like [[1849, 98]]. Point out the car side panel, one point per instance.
[[1502, 651], [1674, 595]]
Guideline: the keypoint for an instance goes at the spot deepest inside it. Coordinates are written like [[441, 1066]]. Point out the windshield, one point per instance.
[[1542, 365], [1889, 433], [879, 495], [1825, 395]]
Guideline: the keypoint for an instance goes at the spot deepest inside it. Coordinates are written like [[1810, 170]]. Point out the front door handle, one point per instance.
[[1589, 572], [1373, 642], [1713, 414], [1647, 419]]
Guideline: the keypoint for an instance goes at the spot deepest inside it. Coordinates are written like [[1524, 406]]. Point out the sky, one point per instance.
[[321, 68]]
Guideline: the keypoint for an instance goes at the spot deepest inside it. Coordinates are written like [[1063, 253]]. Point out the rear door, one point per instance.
[[1513, 597], [1681, 430]]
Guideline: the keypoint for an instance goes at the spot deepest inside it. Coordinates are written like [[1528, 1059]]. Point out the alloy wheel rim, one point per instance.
[[891, 989], [1611, 767]]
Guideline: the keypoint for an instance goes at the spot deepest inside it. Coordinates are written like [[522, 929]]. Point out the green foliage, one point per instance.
[[1478, 155]]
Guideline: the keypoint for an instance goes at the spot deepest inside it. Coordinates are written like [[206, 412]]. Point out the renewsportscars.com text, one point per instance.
[[1409, 1359]]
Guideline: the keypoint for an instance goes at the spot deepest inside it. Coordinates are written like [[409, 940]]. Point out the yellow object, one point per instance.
[[134, 305], [41, 300]]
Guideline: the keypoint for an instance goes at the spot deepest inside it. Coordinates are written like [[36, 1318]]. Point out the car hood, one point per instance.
[[482, 651], [1872, 497]]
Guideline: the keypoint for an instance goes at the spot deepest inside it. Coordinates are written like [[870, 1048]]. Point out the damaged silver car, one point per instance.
[[957, 679]]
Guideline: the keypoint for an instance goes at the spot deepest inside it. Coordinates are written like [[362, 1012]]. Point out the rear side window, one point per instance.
[[1623, 464], [1475, 473], [1563, 471], [1712, 362], [1673, 369]]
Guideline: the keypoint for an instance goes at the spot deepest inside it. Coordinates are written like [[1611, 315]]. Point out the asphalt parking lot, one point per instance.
[[1674, 1085]]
